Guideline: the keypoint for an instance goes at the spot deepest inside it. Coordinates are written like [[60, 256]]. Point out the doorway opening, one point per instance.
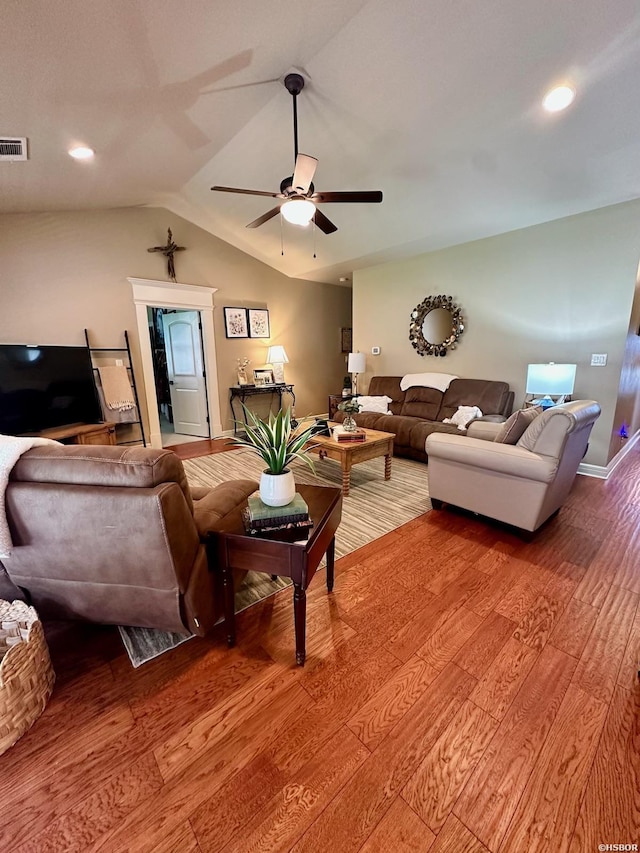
[[177, 354]]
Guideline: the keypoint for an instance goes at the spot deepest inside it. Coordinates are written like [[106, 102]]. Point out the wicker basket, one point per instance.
[[26, 676]]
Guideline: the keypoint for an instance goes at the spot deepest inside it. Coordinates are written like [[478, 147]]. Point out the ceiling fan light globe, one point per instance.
[[298, 211]]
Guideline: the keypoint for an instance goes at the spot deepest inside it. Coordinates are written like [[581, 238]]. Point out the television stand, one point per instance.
[[82, 433]]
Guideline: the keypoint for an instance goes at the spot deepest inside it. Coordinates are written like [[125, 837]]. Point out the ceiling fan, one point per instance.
[[297, 191]]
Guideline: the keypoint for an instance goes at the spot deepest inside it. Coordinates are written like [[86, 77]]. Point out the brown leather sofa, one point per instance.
[[115, 535], [418, 411]]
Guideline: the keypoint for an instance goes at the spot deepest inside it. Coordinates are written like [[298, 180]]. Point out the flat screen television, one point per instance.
[[45, 387]]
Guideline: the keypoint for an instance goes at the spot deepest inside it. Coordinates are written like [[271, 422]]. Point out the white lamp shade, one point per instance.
[[357, 362], [298, 211], [551, 378], [277, 355]]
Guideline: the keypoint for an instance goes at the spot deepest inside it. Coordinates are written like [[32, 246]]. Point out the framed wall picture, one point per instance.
[[235, 323], [263, 377], [346, 339], [259, 323]]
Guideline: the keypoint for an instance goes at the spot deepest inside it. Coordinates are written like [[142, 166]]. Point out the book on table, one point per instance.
[[340, 434], [292, 530], [263, 516]]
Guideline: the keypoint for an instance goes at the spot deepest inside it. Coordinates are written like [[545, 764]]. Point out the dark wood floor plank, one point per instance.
[[572, 630], [400, 831], [501, 580], [212, 727], [547, 813], [207, 772], [413, 634], [456, 838], [491, 796], [281, 821], [611, 806], [438, 781], [630, 666], [536, 625], [350, 818], [36, 798], [373, 720], [221, 818], [78, 829], [481, 649], [599, 665], [501, 682], [444, 643]]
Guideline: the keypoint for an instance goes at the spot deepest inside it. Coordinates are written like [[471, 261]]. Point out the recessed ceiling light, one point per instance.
[[81, 153], [558, 98]]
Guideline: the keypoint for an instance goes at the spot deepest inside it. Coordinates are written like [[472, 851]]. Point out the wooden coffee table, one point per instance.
[[350, 453], [237, 549]]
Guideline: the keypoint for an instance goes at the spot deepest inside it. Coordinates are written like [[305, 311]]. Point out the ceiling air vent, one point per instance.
[[13, 148]]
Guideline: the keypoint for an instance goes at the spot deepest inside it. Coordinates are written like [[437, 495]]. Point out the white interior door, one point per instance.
[[183, 346]]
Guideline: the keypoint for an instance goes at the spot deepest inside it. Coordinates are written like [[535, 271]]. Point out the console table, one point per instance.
[[104, 433], [241, 392]]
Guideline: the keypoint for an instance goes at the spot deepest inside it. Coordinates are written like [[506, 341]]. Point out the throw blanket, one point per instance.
[[441, 381], [116, 387], [11, 449], [463, 416]]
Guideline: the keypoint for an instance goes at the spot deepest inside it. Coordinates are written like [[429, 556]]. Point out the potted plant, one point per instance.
[[276, 442], [350, 408]]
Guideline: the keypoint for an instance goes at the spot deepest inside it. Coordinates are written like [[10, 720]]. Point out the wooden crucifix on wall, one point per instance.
[[168, 251]]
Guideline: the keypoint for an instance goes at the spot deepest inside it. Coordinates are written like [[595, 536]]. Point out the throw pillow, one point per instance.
[[514, 427], [463, 416], [380, 405]]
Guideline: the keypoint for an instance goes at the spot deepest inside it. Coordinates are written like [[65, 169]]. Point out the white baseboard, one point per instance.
[[603, 472]]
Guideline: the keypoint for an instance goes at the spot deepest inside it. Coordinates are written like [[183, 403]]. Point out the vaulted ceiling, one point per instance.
[[435, 102]]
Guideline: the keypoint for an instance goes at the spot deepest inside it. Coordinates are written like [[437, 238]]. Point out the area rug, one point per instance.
[[375, 506]]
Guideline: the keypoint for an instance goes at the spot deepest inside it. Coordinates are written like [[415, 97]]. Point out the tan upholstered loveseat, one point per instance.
[[520, 484], [115, 535], [420, 411]]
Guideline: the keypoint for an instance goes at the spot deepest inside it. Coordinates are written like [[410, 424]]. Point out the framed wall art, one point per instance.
[[235, 323], [259, 323], [263, 377], [346, 340]]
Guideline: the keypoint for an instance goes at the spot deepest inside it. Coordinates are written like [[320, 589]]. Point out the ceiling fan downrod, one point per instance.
[[294, 84]]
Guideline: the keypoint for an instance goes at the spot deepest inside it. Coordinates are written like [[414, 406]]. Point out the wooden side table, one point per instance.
[[237, 549]]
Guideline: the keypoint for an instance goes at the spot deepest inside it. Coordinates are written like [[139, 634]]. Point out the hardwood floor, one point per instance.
[[464, 691]]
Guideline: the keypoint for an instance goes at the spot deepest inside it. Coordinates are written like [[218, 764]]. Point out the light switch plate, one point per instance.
[[598, 359]]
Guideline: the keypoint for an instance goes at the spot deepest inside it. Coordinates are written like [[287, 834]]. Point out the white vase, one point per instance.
[[277, 489]]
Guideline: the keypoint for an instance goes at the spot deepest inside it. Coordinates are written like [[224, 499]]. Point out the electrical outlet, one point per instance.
[[598, 359], [119, 362], [375, 350]]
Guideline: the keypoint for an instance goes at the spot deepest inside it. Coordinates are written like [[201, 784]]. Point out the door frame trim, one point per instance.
[[166, 294]]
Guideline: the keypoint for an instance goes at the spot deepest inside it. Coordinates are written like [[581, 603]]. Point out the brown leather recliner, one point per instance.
[[116, 535]]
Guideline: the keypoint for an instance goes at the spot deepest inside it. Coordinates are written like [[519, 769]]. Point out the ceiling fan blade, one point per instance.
[[323, 223], [304, 172], [264, 218], [362, 196], [247, 192]]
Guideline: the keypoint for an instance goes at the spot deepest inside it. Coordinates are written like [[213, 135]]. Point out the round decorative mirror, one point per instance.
[[435, 325]]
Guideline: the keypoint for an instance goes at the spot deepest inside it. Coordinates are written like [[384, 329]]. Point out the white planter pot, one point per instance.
[[277, 489]]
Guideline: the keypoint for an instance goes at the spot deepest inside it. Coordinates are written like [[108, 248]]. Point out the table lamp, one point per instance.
[[356, 364], [550, 379], [277, 358]]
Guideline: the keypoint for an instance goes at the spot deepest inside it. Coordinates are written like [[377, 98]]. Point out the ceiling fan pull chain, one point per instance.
[[281, 237], [314, 237]]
